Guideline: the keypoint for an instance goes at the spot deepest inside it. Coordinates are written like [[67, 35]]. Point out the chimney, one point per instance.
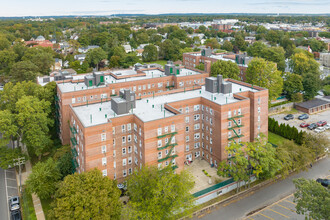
[[207, 66]]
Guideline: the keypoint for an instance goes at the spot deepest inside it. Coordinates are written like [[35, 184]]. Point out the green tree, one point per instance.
[[262, 157], [7, 156], [228, 46], [301, 63], [158, 194], [265, 74], [97, 197], [169, 50], [276, 55], [326, 90], [313, 200], [227, 69], [312, 84], [293, 84], [24, 71], [4, 43], [43, 179], [317, 45], [149, 53], [95, 56], [41, 57], [256, 49], [114, 62], [7, 59], [240, 42], [213, 43], [8, 127], [236, 166]]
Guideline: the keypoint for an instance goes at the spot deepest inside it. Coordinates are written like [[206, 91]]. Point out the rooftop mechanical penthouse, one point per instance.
[[123, 134], [144, 80]]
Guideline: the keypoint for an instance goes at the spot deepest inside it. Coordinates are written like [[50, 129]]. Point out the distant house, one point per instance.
[[80, 57], [127, 48], [74, 37], [53, 41], [57, 65], [250, 39], [40, 41], [139, 52], [86, 49], [228, 38]]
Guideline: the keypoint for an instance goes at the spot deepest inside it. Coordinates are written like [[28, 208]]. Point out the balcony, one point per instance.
[[73, 141], [236, 116], [75, 164], [167, 157], [74, 152], [164, 135], [73, 130]]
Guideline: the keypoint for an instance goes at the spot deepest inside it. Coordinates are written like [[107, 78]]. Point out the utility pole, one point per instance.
[[20, 161]]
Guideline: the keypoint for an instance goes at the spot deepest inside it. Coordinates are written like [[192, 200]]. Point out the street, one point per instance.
[[267, 195], [8, 188]]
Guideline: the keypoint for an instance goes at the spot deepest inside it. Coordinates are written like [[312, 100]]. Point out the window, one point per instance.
[[84, 98], [104, 161], [124, 173], [196, 145], [135, 127], [79, 99], [187, 119], [130, 160], [187, 147], [187, 129], [239, 121], [159, 155], [73, 100], [173, 140], [160, 166], [211, 131], [172, 128], [166, 140], [187, 138], [196, 136], [159, 131], [196, 126], [211, 121], [229, 134], [104, 149], [211, 150], [159, 143], [259, 100], [258, 117], [129, 127], [129, 171], [211, 142], [135, 149], [229, 124], [123, 139], [166, 163], [166, 129], [124, 150], [259, 127], [114, 164], [91, 97], [229, 114], [196, 107], [130, 149], [104, 172], [239, 131], [207, 109], [123, 128], [103, 137], [196, 117], [166, 152], [113, 130], [239, 111], [114, 153], [129, 138], [136, 161], [211, 111], [187, 109], [124, 162], [258, 109]]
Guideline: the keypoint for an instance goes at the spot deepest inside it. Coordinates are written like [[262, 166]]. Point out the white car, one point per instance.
[[319, 129], [327, 126]]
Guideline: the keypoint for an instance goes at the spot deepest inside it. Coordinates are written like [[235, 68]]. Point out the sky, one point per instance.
[[12, 8]]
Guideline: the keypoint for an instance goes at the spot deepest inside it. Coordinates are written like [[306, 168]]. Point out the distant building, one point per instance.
[[325, 59], [127, 48], [80, 57], [57, 65], [314, 105], [86, 49], [42, 42]]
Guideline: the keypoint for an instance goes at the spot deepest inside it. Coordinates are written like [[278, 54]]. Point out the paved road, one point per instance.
[[267, 195], [8, 188]]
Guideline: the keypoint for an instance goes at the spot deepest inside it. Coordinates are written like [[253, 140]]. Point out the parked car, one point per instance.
[[327, 126], [289, 117], [304, 125], [14, 203], [312, 126], [324, 182], [16, 215], [319, 129], [303, 116], [321, 123]]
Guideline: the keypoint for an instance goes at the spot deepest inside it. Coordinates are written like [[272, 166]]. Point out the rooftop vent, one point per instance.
[[124, 103], [217, 85]]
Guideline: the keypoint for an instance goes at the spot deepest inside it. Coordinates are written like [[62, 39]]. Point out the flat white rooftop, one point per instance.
[[150, 109], [70, 87]]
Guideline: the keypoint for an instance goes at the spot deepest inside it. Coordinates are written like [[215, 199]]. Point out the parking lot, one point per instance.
[[321, 116], [283, 209]]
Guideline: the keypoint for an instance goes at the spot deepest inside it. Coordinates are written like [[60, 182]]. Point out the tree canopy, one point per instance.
[[227, 69], [88, 195]]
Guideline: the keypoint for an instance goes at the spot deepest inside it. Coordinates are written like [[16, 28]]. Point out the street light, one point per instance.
[[20, 161]]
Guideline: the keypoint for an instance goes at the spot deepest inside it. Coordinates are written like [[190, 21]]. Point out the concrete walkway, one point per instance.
[[36, 201]]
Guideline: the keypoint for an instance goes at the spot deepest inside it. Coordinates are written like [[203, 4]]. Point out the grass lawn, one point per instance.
[[28, 211], [46, 205], [160, 62], [275, 139]]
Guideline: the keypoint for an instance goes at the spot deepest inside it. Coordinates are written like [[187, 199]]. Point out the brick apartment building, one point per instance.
[[193, 59], [170, 128], [86, 89]]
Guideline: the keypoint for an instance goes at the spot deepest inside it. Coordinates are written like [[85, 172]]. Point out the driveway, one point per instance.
[[8, 188]]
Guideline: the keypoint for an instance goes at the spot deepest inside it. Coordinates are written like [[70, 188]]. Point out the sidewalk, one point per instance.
[[36, 201]]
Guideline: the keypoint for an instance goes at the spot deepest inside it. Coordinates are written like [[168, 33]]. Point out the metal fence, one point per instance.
[[214, 187]]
